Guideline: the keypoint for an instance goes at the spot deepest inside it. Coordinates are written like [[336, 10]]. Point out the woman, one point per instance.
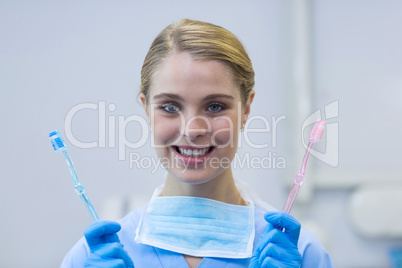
[[197, 88]]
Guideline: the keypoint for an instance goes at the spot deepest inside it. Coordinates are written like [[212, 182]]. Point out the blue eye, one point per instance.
[[215, 107], [170, 108]]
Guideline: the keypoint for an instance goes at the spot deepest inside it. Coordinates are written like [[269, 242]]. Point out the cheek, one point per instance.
[[165, 130], [225, 131]]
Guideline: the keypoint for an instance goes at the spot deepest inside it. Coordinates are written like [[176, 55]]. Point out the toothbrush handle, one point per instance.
[[84, 198], [89, 206], [291, 198], [79, 188]]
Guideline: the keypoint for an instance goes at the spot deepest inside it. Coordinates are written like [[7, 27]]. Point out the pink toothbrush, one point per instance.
[[315, 135]]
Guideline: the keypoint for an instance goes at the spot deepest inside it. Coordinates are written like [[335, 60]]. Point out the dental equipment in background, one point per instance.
[[315, 135], [59, 145]]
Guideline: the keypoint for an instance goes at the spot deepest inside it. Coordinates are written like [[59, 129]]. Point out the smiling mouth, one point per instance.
[[194, 153]]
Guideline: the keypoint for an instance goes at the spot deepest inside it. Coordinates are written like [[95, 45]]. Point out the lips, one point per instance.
[[193, 152], [192, 155]]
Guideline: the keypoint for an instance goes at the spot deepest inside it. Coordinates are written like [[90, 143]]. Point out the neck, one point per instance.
[[221, 188]]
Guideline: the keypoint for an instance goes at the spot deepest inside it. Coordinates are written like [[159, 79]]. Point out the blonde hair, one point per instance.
[[204, 41]]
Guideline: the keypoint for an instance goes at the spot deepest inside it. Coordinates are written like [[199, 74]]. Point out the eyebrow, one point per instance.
[[207, 98]]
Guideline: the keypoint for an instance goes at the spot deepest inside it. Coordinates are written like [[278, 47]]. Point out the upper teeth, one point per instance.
[[195, 152]]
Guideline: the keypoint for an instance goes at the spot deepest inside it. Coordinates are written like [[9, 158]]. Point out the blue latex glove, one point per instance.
[[276, 248], [106, 250]]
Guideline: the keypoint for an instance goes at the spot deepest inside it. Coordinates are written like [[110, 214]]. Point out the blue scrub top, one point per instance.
[[145, 256]]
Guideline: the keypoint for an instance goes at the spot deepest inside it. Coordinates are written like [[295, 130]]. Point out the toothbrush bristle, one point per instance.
[[56, 140], [318, 130]]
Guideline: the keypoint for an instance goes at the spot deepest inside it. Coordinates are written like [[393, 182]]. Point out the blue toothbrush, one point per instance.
[[59, 145]]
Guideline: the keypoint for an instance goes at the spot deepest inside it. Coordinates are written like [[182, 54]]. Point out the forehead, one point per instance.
[[183, 75]]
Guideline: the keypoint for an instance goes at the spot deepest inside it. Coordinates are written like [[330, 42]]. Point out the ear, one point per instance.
[[144, 103], [247, 107]]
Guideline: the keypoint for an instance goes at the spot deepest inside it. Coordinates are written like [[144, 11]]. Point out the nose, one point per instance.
[[196, 126]]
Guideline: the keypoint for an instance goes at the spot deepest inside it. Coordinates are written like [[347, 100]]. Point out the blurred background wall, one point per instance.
[[336, 60]]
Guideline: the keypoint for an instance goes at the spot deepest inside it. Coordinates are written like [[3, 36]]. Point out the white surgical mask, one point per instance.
[[198, 226]]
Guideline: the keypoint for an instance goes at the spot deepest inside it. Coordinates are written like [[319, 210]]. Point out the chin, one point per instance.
[[193, 176], [200, 175]]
